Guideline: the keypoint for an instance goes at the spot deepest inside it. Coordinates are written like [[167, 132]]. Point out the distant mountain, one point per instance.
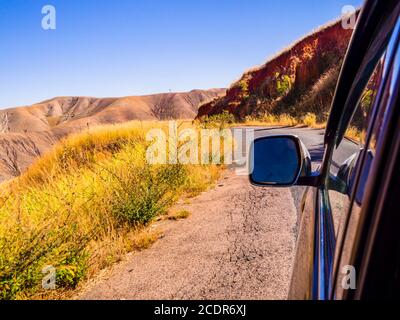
[[300, 79], [81, 111], [28, 132]]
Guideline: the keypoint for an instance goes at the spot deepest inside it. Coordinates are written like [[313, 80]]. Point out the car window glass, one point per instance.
[[347, 155], [376, 96]]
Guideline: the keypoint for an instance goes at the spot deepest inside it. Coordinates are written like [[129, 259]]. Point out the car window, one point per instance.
[[375, 98], [347, 154]]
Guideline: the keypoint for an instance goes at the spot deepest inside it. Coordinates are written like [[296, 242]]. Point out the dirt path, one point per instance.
[[237, 244]]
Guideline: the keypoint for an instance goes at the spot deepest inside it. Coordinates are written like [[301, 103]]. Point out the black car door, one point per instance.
[[366, 186], [349, 157], [355, 155]]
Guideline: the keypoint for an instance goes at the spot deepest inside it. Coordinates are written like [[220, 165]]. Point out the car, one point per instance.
[[348, 243]]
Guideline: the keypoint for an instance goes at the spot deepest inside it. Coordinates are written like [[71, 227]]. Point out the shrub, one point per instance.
[[184, 214], [283, 84], [77, 207], [243, 84], [310, 119], [220, 121]]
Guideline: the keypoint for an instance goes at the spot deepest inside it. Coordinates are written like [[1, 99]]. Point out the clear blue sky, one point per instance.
[[133, 47]]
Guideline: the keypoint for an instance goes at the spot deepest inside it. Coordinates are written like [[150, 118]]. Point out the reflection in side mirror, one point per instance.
[[278, 161]]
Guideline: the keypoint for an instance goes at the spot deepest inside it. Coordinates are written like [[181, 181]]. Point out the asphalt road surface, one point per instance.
[[238, 243]]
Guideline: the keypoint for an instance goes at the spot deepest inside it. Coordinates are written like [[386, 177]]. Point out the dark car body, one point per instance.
[[348, 244]]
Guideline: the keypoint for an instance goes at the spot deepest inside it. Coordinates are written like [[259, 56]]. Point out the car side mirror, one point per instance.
[[279, 161]]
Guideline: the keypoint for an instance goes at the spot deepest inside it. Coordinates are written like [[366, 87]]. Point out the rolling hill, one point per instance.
[[28, 132]]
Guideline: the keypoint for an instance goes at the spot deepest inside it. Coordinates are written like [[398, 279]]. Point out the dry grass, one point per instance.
[[144, 239], [183, 214], [85, 205], [271, 120], [310, 120], [284, 120], [353, 133]]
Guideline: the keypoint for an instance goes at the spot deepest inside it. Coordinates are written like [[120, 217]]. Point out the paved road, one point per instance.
[[313, 140], [239, 243]]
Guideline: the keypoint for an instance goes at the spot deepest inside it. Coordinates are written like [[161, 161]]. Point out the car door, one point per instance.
[[354, 156], [378, 98], [329, 201]]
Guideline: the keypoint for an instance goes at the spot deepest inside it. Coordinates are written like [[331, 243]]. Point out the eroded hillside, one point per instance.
[[300, 79], [28, 132], [82, 111]]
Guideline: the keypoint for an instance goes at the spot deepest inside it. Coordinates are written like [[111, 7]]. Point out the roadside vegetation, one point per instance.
[[183, 214], [86, 204], [220, 121], [226, 119], [284, 120]]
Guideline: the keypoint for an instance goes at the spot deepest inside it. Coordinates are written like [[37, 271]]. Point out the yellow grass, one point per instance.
[[84, 205], [284, 120], [183, 214], [353, 133], [310, 120], [271, 120]]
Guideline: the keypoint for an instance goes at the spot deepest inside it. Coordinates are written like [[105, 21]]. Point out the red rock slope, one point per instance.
[[282, 82]]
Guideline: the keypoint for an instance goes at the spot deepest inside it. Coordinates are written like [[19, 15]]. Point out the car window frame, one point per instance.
[[391, 52], [372, 17]]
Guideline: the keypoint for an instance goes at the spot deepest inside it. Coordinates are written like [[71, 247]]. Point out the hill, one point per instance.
[[30, 131], [299, 80], [81, 111]]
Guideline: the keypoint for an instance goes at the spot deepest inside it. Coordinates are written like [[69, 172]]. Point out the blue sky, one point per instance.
[[133, 47]]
